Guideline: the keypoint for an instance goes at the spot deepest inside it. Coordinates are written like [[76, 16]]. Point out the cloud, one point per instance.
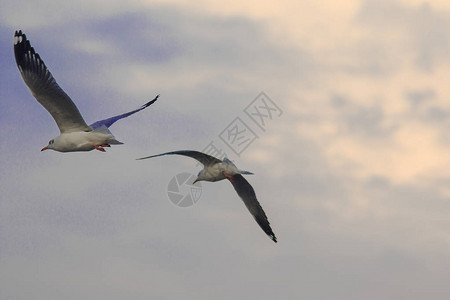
[[352, 176], [420, 28]]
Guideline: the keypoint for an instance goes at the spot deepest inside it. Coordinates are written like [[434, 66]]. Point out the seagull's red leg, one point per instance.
[[228, 176], [99, 148]]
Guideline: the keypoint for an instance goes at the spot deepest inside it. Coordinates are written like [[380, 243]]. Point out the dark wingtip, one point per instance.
[[150, 102], [151, 156], [21, 46], [273, 237], [17, 34]]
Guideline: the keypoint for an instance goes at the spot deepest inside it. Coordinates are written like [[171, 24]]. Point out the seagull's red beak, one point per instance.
[[45, 148], [195, 181]]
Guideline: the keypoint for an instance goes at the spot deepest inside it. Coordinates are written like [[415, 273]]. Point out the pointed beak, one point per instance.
[[195, 181], [45, 148]]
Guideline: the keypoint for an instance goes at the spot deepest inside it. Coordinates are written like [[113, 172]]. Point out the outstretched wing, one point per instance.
[[44, 88], [108, 122], [203, 158], [247, 194]]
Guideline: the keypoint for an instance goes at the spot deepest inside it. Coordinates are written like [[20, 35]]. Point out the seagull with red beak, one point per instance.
[[75, 134], [215, 170]]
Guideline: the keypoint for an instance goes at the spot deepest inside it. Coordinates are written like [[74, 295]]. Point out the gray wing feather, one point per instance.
[[44, 88], [248, 196], [108, 122], [203, 158]]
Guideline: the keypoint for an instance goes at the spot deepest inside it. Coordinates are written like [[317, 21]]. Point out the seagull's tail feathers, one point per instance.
[[227, 161], [113, 141], [246, 172], [104, 130]]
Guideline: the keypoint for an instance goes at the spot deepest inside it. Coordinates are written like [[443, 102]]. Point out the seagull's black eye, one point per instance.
[[51, 142]]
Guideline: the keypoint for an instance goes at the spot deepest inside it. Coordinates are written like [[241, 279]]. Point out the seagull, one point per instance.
[[75, 134], [215, 169]]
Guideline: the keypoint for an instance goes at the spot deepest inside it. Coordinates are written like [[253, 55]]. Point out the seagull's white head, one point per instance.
[[51, 145], [201, 176]]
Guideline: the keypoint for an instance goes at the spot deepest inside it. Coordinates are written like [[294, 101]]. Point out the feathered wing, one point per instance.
[[44, 88], [203, 158], [108, 122], [248, 196]]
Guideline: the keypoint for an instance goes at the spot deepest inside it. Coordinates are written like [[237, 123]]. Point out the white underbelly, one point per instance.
[[84, 141]]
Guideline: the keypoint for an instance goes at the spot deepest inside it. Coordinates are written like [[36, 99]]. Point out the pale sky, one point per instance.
[[354, 176]]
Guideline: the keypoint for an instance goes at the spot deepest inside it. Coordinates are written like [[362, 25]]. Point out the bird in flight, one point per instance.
[[215, 170], [75, 134]]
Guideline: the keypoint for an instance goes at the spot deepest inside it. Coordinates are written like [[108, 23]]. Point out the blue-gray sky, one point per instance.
[[354, 176]]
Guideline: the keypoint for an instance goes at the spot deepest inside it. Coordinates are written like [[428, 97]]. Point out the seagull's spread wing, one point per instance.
[[108, 122], [247, 194], [44, 88], [203, 158]]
